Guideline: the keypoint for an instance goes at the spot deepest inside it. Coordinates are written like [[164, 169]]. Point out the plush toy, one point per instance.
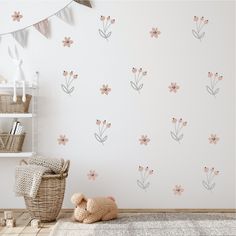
[[90, 210]]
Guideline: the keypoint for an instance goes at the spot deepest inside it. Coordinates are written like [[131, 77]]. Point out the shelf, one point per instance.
[[16, 115], [16, 154], [30, 85]]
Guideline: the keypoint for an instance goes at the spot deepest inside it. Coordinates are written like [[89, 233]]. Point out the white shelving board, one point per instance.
[[16, 154], [16, 115], [31, 85]]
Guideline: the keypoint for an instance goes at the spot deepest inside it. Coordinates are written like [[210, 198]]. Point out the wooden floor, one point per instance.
[[23, 227]]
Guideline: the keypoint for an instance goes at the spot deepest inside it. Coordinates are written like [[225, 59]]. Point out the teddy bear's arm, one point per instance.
[[110, 215], [93, 217]]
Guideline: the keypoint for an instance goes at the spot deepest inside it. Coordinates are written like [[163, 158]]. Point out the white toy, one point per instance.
[[19, 76]]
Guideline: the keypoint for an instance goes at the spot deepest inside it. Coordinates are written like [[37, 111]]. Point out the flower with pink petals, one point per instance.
[[178, 126], [92, 175], [16, 16], [106, 24], [62, 140], [213, 139], [173, 87], [178, 190], [144, 140], [67, 42], [139, 74], [105, 89], [67, 86], [102, 18], [199, 24], [145, 173], [209, 183], [102, 127], [214, 79], [155, 32]]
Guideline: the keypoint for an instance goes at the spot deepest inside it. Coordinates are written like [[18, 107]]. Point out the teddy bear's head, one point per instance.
[[84, 206]]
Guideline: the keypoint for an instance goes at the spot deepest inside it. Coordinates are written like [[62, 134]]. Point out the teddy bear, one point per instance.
[[90, 210]]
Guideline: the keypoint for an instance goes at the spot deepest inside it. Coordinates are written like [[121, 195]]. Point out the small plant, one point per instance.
[[200, 23], [106, 23], [69, 78], [102, 127], [145, 173], [214, 80], [178, 126], [209, 183], [178, 190], [138, 76]]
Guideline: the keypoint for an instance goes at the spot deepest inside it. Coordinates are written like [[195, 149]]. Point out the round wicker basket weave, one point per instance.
[[47, 204]]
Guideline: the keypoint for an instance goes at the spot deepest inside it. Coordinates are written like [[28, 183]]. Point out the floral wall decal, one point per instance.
[[144, 140], [62, 140], [214, 80], [178, 190], [200, 23], [106, 23], [67, 42], [138, 76], [178, 126], [155, 32], [105, 89], [102, 127], [213, 139], [174, 87], [69, 77], [209, 183], [92, 175], [16, 16], [145, 173]]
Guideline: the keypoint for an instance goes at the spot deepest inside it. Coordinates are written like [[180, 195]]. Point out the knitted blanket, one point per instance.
[[28, 177]]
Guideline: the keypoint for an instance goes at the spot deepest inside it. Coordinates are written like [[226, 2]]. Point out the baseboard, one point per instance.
[[168, 210]]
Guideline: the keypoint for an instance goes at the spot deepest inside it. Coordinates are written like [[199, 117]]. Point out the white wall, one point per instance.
[[175, 56]]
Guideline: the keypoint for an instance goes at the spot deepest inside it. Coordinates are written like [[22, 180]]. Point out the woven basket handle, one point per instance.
[[65, 167], [23, 161]]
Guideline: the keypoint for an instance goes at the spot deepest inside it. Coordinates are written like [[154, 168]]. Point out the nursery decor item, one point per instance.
[[90, 210], [46, 205], [11, 142], [35, 223], [19, 76], [8, 215], [10, 223], [2, 222], [43, 26], [8, 106]]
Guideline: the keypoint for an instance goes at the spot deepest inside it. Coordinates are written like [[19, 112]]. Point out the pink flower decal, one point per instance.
[[199, 23], [178, 126], [215, 78], [69, 78], [105, 89], [178, 190], [62, 140], [67, 42], [213, 139], [102, 127], [16, 16], [174, 87], [144, 140], [138, 76], [155, 32], [106, 24], [210, 173], [145, 173], [92, 175]]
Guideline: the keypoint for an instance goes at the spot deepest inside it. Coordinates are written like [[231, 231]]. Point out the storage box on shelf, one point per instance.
[[11, 144]]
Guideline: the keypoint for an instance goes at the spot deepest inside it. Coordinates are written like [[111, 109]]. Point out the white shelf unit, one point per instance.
[[32, 88]]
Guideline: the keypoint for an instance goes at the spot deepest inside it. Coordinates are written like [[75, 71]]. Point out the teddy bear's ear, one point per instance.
[[77, 198]]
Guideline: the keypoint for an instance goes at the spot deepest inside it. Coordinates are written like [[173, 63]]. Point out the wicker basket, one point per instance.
[[11, 142], [8, 106], [48, 201]]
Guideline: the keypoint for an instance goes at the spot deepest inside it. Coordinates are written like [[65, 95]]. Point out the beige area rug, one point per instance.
[[153, 224]]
